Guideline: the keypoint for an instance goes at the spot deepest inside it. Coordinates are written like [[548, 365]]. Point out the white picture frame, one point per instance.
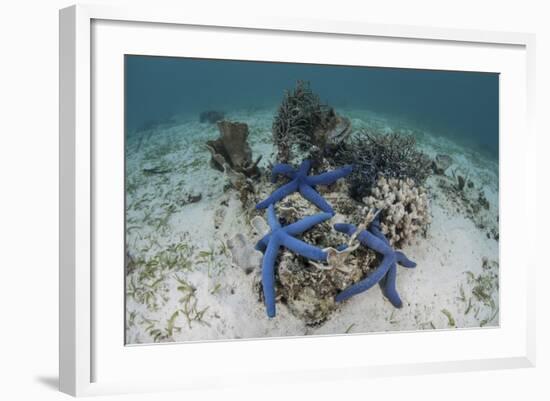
[[84, 350]]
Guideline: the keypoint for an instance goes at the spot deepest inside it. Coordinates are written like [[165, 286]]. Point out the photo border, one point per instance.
[[76, 186]]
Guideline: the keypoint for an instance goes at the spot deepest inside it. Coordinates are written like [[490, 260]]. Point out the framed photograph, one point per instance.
[[263, 191]]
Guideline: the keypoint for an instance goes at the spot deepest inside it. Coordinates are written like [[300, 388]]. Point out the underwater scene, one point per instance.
[[269, 199]]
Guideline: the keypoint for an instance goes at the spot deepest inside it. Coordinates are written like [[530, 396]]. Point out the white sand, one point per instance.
[[442, 292]]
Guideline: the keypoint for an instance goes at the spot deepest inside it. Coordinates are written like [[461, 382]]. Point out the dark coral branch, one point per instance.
[[391, 155], [298, 118]]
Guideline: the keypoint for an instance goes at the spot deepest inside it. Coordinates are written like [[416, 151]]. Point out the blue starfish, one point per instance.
[[386, 273], [304, 183], [284, 236], [388, 283]]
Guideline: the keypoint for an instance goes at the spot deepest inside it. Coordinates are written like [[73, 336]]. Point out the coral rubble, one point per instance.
[[278, 237], [441, 163], [308, 291], [470, 201]]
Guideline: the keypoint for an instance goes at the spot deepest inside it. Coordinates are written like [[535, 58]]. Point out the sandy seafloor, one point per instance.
[[185, 287]]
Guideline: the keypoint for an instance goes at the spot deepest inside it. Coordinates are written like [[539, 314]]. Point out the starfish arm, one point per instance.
[[268, 276], [347, 229], [367, 282], [375, 227], [404, 261], [284, 169], [261, 245], [368, 239], [314, 197], [304, 167], [278, 194], [306, 223], [341, 247], [389, 288], [401, 258], [382, 282], [304, 249], [272, 219], [377, 233], [329, 177]]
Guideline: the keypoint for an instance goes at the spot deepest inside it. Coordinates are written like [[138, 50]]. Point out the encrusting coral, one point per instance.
[[404, 209], [308, 289], [304, 183]]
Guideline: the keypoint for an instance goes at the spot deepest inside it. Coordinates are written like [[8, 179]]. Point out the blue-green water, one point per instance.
[[460, 105]]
